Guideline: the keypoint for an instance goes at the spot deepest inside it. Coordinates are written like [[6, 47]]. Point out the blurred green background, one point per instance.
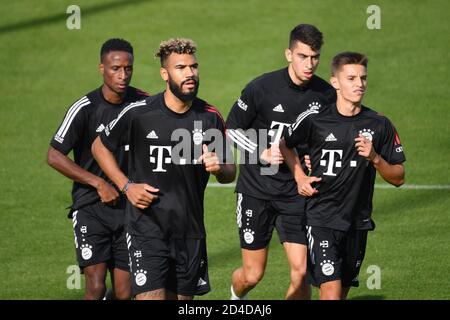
[[45, 67]]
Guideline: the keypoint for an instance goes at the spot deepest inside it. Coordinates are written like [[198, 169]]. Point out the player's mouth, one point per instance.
[[308, 74], [122, 85], [191, 84], [359, 92]]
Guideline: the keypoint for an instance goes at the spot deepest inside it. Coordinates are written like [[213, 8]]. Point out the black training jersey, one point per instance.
[[345, 193], [268, 104], [83, 122], [164, 146]]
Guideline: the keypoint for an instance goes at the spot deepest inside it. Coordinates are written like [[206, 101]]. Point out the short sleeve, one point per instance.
[[116, 132], [298, 132], [72, 128], [391, 148]]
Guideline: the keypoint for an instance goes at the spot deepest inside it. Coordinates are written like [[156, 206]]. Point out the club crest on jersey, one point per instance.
[[197, 136], [367, 133], [314, 105]]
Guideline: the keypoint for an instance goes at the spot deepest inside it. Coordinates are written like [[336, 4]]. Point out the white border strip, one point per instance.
[[377, 186]]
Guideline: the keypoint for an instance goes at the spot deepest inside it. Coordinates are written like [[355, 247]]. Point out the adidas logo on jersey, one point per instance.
[[278, 108], [100, 128], [331, 137], [152, 135]]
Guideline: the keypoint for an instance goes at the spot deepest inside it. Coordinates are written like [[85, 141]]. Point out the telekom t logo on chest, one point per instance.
[[333, 159], [160, 157]]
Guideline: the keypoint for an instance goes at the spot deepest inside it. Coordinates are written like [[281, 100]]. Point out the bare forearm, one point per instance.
[[391, 173], [292, 160], [108, 163], [70, 169]]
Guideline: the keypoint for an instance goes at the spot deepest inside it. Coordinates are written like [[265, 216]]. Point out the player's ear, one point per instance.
[[288, 55], [334, 82], [101, 68], [164, 74]]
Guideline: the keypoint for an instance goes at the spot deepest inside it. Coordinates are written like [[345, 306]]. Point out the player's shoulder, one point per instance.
[[269, 79], [320, 85], [376, 116], [371, 113], [89, 98], [138, 107], [136, 94], [83, 103], [205, 106], [208, 109]]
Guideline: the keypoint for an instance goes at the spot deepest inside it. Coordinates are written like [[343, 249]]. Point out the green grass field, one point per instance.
[[45, 67]]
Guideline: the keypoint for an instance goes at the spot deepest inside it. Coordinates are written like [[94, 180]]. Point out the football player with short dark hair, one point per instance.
[[348, 143], [176, 141], [97, 210], [266, 191]]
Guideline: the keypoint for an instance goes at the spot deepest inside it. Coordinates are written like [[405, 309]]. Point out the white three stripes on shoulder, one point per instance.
[[125, 110], [303, 116], [73, 110], [241, 140]]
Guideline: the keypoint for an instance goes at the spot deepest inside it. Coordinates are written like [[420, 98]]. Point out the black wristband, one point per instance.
[[126, 186]]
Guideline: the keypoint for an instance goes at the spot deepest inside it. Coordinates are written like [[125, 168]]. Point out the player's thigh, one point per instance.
[[255, 221], [150, 265], [297, 256], [92, 238], [355, 250], [191, 265], [120, 257], [290, 220], [157, 294], [325, 254], [122, 283]]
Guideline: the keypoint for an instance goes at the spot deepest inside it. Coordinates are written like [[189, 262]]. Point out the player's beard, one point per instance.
[[178, 91]]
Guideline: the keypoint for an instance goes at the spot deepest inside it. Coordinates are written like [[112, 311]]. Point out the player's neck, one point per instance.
[[348, 108], [175, 104], [294, 78], [111, 96]]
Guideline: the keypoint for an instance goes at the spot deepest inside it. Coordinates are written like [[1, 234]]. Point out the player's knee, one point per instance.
[[253, 277], [123, 293], [95, 288], [298, 274]]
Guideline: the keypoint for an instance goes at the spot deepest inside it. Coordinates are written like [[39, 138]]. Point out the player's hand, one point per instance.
[[365, 148], [210, 160], [141, 195], [272, 155], [307, 161], [107, 193], [304, 186]]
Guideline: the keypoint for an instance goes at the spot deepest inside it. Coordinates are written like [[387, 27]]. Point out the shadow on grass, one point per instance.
[[61, 17], [368, 297]]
